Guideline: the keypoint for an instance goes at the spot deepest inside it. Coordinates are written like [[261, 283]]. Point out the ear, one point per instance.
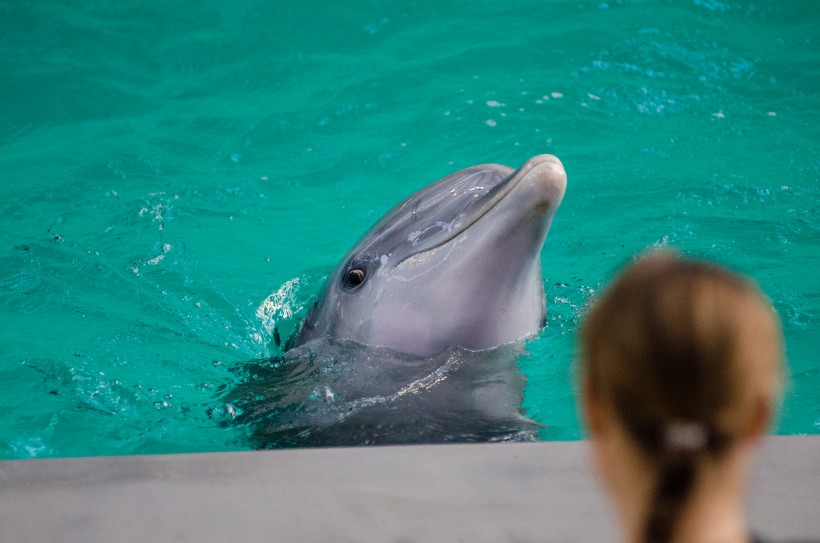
[[759, 422], [592, 409]]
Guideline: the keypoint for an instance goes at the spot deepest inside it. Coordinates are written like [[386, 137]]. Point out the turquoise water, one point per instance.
[[178, 177]]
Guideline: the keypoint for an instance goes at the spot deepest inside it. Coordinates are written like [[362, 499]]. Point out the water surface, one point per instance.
[[178, 177]]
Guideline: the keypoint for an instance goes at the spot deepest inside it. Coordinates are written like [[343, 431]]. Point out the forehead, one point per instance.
[[427, 216]]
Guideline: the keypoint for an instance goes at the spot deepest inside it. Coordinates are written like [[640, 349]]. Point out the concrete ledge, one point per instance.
[[478, 492]]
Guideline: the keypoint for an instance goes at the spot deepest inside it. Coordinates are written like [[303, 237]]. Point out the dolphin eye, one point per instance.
[[354, 277]]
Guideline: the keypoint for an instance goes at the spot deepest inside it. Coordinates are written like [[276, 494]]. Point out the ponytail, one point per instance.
[[675, 480], [679, 452]]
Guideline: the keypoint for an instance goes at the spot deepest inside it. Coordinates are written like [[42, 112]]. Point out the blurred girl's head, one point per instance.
[[686, 357]]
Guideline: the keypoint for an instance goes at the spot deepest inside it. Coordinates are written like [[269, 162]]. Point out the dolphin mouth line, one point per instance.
[[507, 186]]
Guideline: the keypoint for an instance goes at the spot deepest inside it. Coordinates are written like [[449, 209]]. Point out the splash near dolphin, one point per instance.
[[416, 334]]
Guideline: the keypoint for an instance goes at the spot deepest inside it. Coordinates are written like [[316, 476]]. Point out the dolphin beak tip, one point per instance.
[[548, 173], [551, 165]]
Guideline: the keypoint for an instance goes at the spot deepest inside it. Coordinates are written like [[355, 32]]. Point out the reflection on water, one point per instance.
[[328, 393]]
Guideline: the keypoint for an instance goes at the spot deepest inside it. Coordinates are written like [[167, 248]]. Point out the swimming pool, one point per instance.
[[178, 177]]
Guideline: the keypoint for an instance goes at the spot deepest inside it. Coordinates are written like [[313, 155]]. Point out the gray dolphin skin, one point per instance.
[[456, 264]]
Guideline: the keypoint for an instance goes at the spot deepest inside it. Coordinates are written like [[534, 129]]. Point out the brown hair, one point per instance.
[[684, 353]]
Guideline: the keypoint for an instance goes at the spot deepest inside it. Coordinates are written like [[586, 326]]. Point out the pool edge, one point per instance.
[[473, 492]]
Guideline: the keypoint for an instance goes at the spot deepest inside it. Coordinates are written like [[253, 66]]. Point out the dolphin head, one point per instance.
[[456, 264]]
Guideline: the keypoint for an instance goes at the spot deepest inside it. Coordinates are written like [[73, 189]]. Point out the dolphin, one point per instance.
[[414, 338], [457, 264]]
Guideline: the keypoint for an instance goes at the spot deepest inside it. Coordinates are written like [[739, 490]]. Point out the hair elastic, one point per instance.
[[685, 436]]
